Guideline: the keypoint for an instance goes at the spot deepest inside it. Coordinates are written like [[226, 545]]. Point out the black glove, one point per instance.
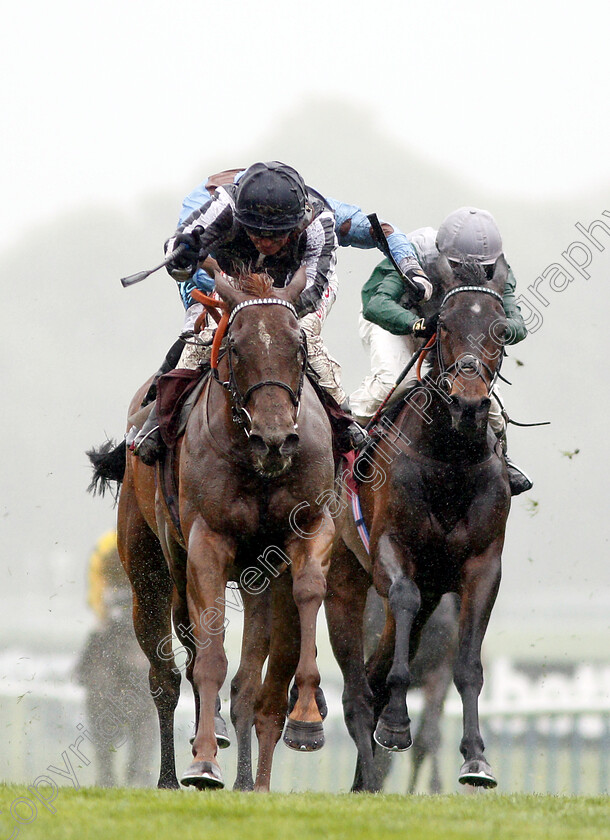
[[188, 257], [424, 328]]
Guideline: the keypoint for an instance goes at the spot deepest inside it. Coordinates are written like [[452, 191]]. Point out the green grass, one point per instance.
[[93, 813]]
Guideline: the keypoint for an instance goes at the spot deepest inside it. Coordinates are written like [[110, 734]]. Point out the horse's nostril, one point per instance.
[[258, 445], [289, 447]]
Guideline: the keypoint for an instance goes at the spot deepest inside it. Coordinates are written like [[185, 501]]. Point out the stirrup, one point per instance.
[[357, 435]]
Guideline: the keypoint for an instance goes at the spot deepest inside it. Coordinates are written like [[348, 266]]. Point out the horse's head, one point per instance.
[[470, 339], [265, 366]]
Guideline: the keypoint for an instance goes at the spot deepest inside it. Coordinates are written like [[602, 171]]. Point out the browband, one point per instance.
[[259, 302], [471, 289]]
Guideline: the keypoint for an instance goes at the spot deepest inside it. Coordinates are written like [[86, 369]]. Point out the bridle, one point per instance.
[[467, 361], [239, 401]]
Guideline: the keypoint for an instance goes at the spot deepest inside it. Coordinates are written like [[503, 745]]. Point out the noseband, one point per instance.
[[239, 401], [467, 361]]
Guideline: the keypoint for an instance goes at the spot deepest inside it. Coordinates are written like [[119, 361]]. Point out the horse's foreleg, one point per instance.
[[310, 560], [393, 727], [246, 684], [209, 555], [271, 707], [184, 630], [480, 580], [348, 585]]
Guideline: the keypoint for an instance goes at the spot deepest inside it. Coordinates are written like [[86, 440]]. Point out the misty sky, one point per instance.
[[106, 101]]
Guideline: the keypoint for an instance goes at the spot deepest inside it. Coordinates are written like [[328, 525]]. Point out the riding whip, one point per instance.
[[142, 275], [382, 243]]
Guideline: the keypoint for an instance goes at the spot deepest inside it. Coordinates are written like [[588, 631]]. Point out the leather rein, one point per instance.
[[224, 321]]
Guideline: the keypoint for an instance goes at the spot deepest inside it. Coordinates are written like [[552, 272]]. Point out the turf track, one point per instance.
[[92, 813]]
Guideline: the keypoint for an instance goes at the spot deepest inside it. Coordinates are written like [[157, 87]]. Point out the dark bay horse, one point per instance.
[[435, 500], [256, 448]]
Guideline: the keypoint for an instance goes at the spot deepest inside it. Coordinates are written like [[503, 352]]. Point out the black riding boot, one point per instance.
[[169, 363], [148, 444], [356, 435], [518, 481]]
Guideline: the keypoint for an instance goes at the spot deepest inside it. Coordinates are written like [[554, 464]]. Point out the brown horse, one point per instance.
[[257, 447], [435, 500]]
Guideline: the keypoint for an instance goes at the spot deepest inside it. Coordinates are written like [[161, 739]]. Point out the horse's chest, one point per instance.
[[250, 513], [455, 523]]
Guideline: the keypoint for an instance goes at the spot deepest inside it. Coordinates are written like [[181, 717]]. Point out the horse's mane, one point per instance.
[[258, 285], [469, 272]]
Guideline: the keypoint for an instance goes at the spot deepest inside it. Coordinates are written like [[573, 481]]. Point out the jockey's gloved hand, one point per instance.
[[184, 263], [424, 328], [411, 269]]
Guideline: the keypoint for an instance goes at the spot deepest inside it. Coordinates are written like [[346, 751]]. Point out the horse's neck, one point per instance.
[[217, 420], [432, 435]]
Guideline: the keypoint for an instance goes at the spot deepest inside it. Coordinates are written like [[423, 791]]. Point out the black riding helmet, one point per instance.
[[271, 198]]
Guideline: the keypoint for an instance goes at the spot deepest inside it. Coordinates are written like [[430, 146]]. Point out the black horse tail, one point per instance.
[[109, 462]]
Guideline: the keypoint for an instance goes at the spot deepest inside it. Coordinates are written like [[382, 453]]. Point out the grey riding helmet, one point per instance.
[[470, 232]]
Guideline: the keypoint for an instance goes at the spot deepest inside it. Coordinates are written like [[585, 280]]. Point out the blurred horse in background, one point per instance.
[[112, 670]]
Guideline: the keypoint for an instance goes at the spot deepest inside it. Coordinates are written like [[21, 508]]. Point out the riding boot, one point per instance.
[[355, 433], [169, 363], [148, 444], [518, 481]]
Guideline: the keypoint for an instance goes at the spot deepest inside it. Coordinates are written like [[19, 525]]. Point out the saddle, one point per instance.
[[177, 393]]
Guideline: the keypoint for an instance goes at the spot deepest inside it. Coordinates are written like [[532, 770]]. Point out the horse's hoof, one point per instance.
[[304, 735], [202, 775], [168, 784], [390, 738], [221, 732], [477, 772]]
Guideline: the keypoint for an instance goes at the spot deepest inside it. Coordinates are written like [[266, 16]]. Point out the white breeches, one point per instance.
[[389, 356], [195, 352], [327, 368]]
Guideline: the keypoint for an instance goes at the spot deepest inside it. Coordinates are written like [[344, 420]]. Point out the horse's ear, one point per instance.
[[500, 275], [292, 291], [229, 294]]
